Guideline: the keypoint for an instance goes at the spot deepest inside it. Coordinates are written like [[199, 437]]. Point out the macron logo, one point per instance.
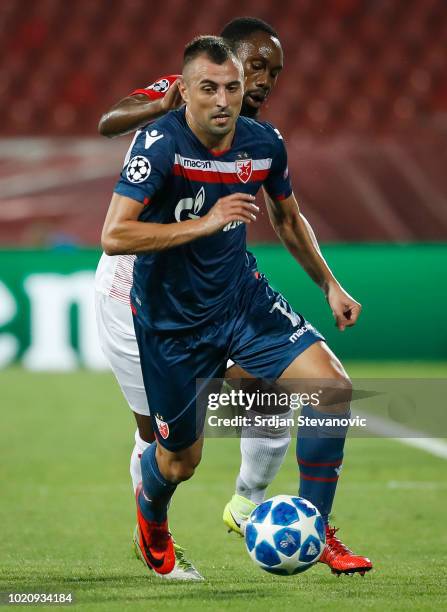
[[196, 163], [151, 138]]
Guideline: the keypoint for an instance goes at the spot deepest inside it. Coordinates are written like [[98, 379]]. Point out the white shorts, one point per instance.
[[117, 338]]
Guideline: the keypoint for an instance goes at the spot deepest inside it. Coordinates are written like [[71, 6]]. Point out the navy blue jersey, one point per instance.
[[177, 178]]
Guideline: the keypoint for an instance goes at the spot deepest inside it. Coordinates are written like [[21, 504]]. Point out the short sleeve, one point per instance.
[[278, 184], [147, 165], [158, 88]]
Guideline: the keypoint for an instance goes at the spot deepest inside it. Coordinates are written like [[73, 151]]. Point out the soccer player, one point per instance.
[[259, 49], [261, 53], [199, 272]]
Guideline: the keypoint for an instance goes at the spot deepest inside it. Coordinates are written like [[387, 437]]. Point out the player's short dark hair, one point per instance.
[[243, 27], [215, 48]]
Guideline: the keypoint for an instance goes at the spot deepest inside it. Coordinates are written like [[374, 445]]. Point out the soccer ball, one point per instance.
[[285, 535]]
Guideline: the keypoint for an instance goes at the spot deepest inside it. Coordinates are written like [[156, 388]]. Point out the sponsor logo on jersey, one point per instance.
[[138, 169], [163, 427], [160, 86], [191, 205], [244, 169], [231, 225], [203, 164], [151, 138]]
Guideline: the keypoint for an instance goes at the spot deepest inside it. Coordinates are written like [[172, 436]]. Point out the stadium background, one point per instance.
[[362, 104]]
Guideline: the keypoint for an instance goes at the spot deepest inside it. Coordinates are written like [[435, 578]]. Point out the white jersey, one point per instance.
[[113, 279], [113, 282], [114, 276]]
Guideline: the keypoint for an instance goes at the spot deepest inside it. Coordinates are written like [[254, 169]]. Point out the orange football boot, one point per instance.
[[340, 558], [155, 542]]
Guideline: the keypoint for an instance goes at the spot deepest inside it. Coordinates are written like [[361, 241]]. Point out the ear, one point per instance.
[[183, 89]]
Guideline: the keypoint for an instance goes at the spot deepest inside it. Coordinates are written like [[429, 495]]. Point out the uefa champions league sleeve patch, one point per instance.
[[138, 169], [160, 86]]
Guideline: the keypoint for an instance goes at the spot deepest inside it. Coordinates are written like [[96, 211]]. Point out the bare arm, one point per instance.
[[123, 233], [299, 238], [134, 112]]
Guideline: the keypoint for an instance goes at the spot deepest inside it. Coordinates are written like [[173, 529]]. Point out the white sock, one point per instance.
[[261, 459], [135, 464]]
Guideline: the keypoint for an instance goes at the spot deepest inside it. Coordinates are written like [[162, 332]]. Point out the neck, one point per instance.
[[212, 142], [249, 111]]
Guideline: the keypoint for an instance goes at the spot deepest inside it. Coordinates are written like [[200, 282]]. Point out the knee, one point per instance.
[[177, 466], [179, 470], [343, 381], [338, 393]]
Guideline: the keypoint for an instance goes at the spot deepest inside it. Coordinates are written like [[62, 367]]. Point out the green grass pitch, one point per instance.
[[67, 511]]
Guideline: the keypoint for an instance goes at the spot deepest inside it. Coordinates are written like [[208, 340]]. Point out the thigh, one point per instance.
[[318, 361], [144, 425], [235, 372], [117, 338], [171, 366], [319, 373], [270, 334]]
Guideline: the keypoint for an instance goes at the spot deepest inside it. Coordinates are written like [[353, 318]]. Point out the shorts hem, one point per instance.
[[140, 411], [174, 448]]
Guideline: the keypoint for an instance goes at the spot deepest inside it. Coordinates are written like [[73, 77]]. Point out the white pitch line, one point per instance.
[[435, 447], [405, 435], [416, 484]]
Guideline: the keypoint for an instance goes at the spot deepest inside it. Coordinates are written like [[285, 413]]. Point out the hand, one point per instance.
[[172, 99], [235, 207], [345, 309]]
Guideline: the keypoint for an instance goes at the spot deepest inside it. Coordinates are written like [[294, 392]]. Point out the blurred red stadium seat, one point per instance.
[[358, 74], [80, 45]]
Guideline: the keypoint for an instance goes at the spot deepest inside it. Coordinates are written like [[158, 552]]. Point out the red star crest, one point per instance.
[[163, 427], [244, 168]]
